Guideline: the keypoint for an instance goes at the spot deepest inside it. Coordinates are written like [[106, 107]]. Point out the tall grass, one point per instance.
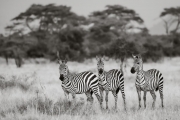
[[34, 92]]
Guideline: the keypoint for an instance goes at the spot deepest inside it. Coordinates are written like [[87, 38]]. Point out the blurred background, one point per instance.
[[83, 29]]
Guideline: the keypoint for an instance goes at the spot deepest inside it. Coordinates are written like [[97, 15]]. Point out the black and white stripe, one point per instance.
[[112, 80], [85, 82], [151, 80]]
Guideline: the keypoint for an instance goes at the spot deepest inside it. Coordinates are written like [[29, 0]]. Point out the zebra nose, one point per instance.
[[100, 71], [61, 77], [133, 70]]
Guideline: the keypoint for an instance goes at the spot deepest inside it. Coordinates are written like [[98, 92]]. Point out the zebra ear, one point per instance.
[[97, 58], [65, 61], [134, 56], [105, 58], [139, 56], [59, 60]]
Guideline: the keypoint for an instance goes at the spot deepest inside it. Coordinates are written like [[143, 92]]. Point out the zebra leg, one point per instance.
[[106, 99], [123, 96], [95, 90], [101, 93], [115, 97], [144, 97], [154, 98], [161, 96], [161, 91], [66, 95], [89, 97], [74, 98], [139, 97]]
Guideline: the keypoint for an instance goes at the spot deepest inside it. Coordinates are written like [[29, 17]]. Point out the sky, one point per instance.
[[149, 10]]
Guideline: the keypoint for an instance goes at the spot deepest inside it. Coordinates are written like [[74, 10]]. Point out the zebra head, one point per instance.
[[100, 65], [138, 63], [63, 69]]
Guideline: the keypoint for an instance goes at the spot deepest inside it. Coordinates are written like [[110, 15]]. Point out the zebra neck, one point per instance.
[[140, 77], [103, 79], [68, 80], [68, 72]]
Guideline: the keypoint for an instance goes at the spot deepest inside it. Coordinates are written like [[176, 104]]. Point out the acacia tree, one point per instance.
[[115, 20], [110, 28], [44, 21], [173, 15], [9, 44], [51, 18], [116, 17]]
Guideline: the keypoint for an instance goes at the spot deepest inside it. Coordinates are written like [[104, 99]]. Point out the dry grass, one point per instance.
[[34, 92]]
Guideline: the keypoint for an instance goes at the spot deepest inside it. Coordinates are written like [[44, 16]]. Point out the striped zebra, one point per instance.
[[151, 80], [112, 80], [84, 82]]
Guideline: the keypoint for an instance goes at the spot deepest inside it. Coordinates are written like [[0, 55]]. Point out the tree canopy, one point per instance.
[[174, 18], [116, 32]]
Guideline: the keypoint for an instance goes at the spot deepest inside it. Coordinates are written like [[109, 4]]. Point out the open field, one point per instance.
[[34, 92]]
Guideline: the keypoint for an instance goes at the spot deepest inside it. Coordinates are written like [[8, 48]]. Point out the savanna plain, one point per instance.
[[34, 92]]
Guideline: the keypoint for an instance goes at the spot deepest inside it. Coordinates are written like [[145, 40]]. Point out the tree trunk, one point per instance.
[[18, 61], [121, 65], [17, 57], [6, 57]]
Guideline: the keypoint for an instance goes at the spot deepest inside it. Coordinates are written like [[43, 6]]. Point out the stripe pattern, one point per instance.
[[151, 80], [81, 82], [112, 80], [85, 82]]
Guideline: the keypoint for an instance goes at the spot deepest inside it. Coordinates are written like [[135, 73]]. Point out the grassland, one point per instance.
[[34, 92]]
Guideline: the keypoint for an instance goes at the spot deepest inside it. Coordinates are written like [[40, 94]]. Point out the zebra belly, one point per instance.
[[75, 90], [145, 87], [69, 90], [108, 88]]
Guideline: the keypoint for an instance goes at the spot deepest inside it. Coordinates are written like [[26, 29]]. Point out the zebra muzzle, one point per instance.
[[133, 70], [100, 71], [61, 77]]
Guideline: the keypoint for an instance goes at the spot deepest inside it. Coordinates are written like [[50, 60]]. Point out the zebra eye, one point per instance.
[[138, 63]]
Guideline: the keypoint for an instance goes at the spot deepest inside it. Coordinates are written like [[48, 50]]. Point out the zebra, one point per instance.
[[84, 82], [112, 80], [151, 80]]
